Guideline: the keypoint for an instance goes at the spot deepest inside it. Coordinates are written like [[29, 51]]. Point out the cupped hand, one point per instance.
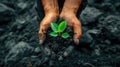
[[44, 25], [73, 23]]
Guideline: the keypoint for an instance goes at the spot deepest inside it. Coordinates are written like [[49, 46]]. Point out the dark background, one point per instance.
[[99, 45]]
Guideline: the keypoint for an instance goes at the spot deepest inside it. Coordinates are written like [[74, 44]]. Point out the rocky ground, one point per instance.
[[99, 45]]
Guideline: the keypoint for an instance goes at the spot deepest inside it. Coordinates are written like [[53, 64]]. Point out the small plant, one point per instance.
[[58, 30]]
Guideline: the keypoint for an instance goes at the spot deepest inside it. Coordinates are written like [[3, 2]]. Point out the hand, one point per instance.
[[74, 23], [45, 24], [51, 10]]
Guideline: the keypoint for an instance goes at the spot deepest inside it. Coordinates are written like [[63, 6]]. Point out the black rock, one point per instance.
[[22, 5], [6, 13], [89, 15], [10, 44], [68, 51], [94, 2], [19, 24], [60, 58], [20, 50], [112, 26], [47, 51], [37, 50], [89, 35]]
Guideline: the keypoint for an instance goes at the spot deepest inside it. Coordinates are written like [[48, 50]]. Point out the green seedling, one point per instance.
[[58, 30]]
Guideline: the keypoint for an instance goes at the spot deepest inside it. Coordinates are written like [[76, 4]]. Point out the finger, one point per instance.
[[77, 32], [42, 37], [42, 32]]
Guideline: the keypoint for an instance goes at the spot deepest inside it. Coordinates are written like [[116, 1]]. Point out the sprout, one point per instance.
[[58, 30]]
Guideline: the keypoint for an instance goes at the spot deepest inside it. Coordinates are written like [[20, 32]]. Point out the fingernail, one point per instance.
[[76, 41]]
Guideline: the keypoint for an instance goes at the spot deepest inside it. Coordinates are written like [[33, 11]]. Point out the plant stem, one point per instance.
[[59, 34]]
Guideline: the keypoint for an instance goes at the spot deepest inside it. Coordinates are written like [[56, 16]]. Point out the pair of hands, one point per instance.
[[72, 22]]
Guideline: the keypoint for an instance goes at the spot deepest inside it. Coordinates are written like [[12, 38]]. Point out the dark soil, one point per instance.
[[99, 45]]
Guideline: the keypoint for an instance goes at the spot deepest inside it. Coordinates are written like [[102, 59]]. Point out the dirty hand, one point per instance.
[[45, 24], [51, 13], [73, 23], [68, 13]]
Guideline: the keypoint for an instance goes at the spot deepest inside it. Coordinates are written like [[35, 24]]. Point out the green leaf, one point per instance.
[[65, 35], [54, 34], [62, 26], [54, 27]]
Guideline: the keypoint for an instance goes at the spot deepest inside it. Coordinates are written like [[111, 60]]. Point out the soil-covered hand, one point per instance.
[[68, 13], [45, 24], [74, 23], [51, 10]]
